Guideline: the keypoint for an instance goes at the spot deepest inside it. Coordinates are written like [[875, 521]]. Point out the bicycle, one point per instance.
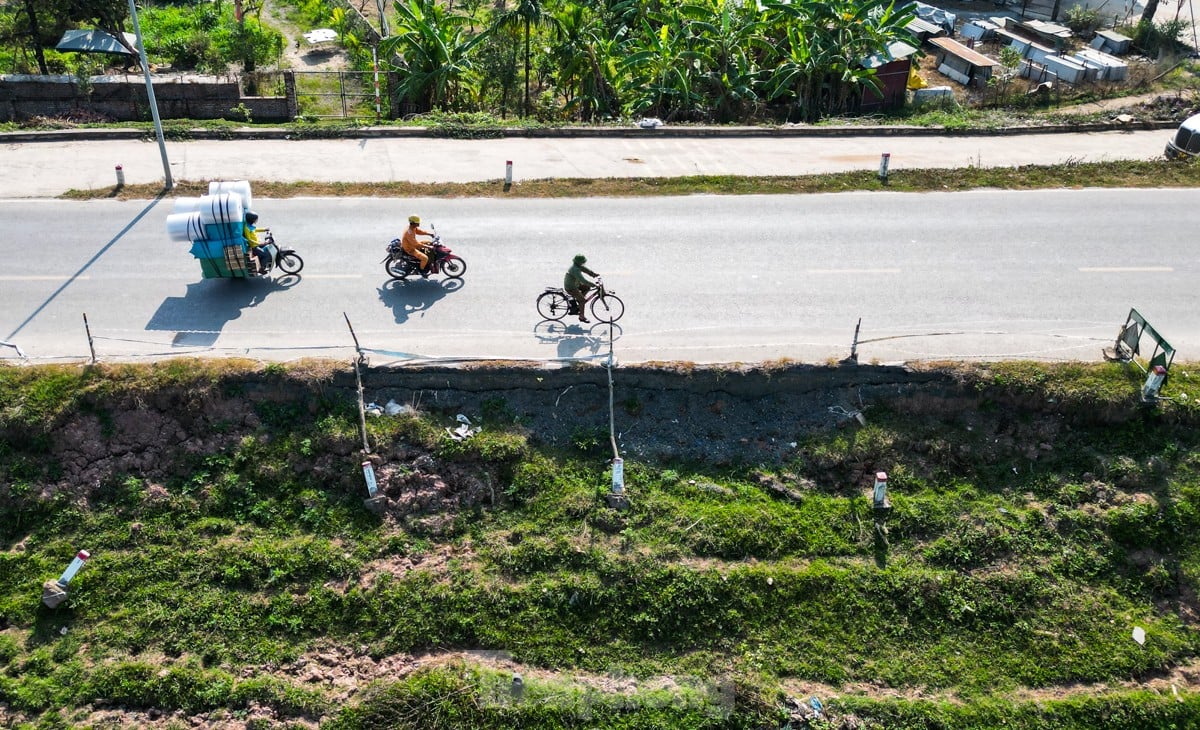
[[555, 303]]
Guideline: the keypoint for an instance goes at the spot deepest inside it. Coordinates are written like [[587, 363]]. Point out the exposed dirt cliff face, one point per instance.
[[716, 416]]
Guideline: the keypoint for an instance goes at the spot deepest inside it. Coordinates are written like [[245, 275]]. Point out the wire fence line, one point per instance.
[[158, 348], [1012, 339]]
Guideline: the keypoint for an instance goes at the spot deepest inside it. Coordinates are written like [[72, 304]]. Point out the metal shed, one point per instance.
[[962, 64]]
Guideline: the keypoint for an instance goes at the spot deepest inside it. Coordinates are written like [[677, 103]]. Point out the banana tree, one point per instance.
[[435, 51], [587, 63], [822, 46], [662, 68], [724, 36]]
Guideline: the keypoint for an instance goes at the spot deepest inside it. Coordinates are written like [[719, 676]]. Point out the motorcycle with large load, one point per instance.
[[214, 225]]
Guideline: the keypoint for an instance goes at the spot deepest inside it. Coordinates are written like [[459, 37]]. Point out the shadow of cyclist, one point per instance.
[[573, 340], [415, 296]]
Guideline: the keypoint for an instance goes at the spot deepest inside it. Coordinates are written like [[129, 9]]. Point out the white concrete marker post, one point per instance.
[[616, 497], [376, 502], [80, 558], [369, 475], [1154, 382], [508, 172], [883, 165], [54, 592], [120, 176], [879, 493]]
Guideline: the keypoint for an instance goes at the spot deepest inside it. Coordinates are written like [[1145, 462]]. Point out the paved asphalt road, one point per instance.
[[47, 169], [987, 274]]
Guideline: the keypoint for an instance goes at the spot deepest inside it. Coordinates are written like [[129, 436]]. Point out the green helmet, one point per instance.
[[580, 259]]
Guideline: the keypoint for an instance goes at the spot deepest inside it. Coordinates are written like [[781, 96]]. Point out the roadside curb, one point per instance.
[[280, 133]]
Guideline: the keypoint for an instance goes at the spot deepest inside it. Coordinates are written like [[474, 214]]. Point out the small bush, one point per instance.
[[1083, 21]]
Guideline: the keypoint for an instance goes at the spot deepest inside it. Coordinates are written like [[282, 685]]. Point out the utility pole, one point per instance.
[[158, 130]]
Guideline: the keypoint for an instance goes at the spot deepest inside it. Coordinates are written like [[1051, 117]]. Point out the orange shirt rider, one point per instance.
[[412, 246]]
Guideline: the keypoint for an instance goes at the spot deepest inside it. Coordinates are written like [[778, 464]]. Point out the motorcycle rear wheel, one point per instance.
[[290, 263], [396, 268], [453, 268], [553, 305]]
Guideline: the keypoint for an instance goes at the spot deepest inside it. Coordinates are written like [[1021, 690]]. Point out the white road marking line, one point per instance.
[[1124, 269], [329, 276], [35, 277], [852, 271]]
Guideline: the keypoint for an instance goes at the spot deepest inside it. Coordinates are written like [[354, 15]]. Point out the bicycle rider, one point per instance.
[[577, 284]]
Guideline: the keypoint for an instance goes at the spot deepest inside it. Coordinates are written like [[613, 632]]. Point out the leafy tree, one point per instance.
[[586, 62], [662, 67], [497, 61], [436, 66], [527, 13], [726, 34], [822, 46], [35, 35]]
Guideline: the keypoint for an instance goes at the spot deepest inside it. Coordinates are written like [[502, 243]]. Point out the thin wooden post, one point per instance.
[[91, 344], [362, 410]]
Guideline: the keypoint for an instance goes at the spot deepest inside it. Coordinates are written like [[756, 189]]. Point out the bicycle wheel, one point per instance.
[[608, 308], [454, 268], [553, 305], [291, 263]]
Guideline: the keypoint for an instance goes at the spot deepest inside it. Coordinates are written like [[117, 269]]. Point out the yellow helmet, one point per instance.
[[414, 219]]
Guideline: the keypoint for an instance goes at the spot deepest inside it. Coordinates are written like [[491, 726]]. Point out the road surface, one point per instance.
[[987, 274]]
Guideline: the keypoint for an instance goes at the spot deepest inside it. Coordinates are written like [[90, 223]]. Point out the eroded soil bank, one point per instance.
[[666, 414]]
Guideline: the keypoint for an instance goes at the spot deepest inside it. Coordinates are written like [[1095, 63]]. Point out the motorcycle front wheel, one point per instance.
[[453, 268], [290, 262], [608, 308], [553, 305], [396, 268]]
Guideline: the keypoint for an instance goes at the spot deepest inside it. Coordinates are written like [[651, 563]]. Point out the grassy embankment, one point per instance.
[[1039, 516]]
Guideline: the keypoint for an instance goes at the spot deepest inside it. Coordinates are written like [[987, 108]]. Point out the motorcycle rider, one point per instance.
[[416, 248], [578, 285], [250, 233]]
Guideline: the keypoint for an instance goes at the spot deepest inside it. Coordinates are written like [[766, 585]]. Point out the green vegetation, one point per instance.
[[1039, 515], [200, 36]]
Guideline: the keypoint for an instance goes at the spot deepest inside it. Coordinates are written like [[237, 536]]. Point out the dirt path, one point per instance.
[[298, 54]]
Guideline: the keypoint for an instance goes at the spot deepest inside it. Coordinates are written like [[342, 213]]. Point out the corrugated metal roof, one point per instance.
[[953, 47], [895, 51], [917, 25], [95, 41]]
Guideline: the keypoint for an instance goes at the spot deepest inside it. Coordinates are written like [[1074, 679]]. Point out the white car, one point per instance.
[[1186, 142]]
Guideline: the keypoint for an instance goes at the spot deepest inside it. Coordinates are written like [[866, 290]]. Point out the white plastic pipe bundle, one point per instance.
[[221, 208], [241, 188], [186, 205], [186, 227]]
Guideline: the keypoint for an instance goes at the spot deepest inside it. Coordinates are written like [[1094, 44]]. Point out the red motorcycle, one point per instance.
[[400, 265]]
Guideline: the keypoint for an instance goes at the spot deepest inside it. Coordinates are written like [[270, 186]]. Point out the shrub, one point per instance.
[[1083, 21]]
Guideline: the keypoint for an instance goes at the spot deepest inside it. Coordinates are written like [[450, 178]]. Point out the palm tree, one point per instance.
[[528, 13]]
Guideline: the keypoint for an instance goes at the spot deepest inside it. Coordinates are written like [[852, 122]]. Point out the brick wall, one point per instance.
[[123, 98]]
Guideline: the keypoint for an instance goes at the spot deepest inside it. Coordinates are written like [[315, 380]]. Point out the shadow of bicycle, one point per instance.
[[572, 339]]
